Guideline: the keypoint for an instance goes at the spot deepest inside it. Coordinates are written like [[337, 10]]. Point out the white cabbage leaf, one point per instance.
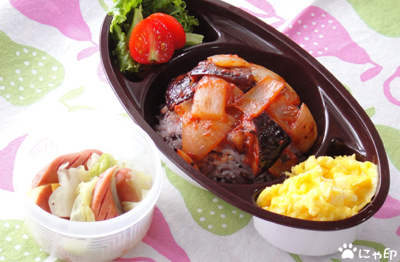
[[139, 181], [63, 198], [114, 192], [81, 209]]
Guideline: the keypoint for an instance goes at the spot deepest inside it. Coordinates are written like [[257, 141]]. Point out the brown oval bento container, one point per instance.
[[343, 126]]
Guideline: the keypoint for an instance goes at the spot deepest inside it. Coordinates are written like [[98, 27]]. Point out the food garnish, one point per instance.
[[151, 42], [89, 186], [166, 21], [323, 189], [237, 122]]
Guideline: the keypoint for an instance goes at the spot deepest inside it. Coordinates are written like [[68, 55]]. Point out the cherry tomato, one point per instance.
[[176, 29], [151, 42]]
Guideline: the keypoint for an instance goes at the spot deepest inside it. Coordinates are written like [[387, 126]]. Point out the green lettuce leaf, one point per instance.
[[121, 54], [119, 10], [175, 8], [122, 12]]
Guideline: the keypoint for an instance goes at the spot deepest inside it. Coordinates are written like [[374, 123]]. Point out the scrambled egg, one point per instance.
[[323, 189]]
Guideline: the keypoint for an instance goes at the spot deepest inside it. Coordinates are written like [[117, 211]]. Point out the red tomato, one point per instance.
[[151, 42], [176, 29]]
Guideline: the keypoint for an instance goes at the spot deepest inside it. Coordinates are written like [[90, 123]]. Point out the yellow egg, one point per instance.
[[323, 189]]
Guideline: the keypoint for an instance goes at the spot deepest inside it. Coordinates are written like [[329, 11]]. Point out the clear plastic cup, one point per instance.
[[87, 241]]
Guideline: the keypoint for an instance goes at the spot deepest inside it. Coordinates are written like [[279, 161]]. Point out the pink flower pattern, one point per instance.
[[7, 158], [321, 34], [268, 12]]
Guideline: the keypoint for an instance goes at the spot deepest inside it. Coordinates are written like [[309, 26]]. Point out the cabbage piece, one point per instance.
[[139, 181], [254, 102], [94, 158], [200, 135], [145, 192], [210, 98], [127, 205], [81, 209], [63, 198], [98, 165], [145, 180], [117, 202]]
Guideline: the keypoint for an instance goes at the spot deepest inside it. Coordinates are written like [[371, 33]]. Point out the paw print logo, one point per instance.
[[347, 251]]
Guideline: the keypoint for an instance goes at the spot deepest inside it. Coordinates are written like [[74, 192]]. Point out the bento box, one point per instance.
[[343, 128]]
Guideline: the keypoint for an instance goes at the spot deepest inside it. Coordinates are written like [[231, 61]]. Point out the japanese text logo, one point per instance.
[[349, 252]]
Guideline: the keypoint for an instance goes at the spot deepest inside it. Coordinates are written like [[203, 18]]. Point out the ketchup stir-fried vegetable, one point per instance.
[[238, 120]]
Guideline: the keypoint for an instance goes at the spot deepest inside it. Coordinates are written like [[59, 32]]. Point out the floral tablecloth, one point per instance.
[[50, 67]]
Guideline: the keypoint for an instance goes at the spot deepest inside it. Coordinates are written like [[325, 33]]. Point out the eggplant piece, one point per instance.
[[183, 87], [272, 140], [180, 89], [286, 161], [261, 140], [241, 76]]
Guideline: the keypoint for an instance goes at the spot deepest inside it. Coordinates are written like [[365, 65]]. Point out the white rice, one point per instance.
[[170, 128]]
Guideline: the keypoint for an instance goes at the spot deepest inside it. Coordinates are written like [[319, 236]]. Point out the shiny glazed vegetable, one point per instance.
[[235, 115]]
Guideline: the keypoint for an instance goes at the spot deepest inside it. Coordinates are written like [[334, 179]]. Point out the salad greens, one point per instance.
[[127, 13], [175, 8]]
